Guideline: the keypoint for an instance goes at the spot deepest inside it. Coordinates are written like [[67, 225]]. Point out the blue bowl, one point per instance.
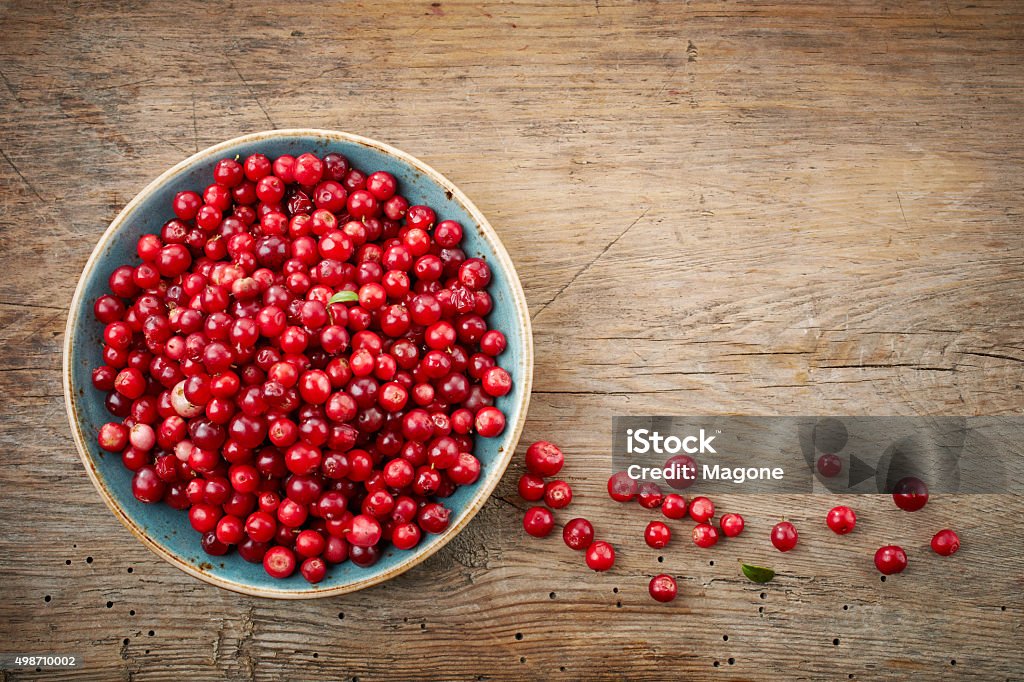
[[167, 531]]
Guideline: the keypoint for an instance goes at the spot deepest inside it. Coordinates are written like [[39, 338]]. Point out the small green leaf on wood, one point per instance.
[[343, 297], [758, 574]]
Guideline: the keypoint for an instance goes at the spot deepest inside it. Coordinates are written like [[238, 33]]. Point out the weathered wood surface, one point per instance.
[[760, 208]]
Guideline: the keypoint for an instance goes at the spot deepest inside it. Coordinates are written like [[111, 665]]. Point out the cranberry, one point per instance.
[[910, 494], [663, 588], [841, 520], [557, 494], [538, 522], [279, 562], [600, 556], [784, 536], [434, 517], [701, 509], [657, 535], [578, 534], [829, 465], [531, 487], [622, 487], [147, 486], [544, 459], [674, 506], [946, 542], [406, 535], [650, 495], [890, 559], [490, 422], [365, 532], [313, 570], [686, 465], [705, 535], [731, 525]]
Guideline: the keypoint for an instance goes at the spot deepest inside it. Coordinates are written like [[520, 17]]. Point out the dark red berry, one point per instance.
[[910, 494], [578, 534], [701, 509], [890, 559], [544, 459], [784, 536], [946, 542], [663, 588]]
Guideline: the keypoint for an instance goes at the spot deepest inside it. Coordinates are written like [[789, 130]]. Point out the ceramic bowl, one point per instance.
[[166, 531]]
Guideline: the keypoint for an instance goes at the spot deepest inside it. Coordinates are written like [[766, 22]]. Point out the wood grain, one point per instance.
[[763, 208]]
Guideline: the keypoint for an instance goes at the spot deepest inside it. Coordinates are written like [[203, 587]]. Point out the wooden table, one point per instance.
[[765, 208]]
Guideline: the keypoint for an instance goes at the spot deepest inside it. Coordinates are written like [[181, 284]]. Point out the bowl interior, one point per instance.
[[168, 530]]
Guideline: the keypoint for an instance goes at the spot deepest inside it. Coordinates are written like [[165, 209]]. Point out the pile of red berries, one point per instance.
[[544, 459], [301, 359]]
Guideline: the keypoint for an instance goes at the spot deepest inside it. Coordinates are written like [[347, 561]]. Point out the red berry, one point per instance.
[[731, 525], [663, 588], [622, 487], [890, 559], [544, 459], [910, 494], [784, 536], [674, 506], [657, 535], [531, 487], [701, 509], [313, 570], [829, 466], [279, 562], [557, 494], [600, 556], [841, 520], [490, 422], [538, 521], [687, 466], [578, 534], [705, 535], [650, 495], [945, 542]]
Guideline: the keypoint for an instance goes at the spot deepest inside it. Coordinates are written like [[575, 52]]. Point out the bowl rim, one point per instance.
[[480, 496]]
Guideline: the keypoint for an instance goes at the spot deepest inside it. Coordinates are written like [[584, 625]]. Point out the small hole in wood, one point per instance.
[[835, 642], [423, 626], [88, 559], [519, 636], [883, 578], [316, 655], [47, 598], [561, 668], [615, 590], [552, 595], [731, 661], [1002, 608], [846, 607], [618, 605], [151, 633], [764, 595], [341, 616], [850, 676], [147, 651], [952, 662], [760, 609], [725, 638], [711, 563], [110, 604], [131, 570], [67, 562], [661, 560], [522, 659], [125, 641], [132, 612], [716, 664]]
